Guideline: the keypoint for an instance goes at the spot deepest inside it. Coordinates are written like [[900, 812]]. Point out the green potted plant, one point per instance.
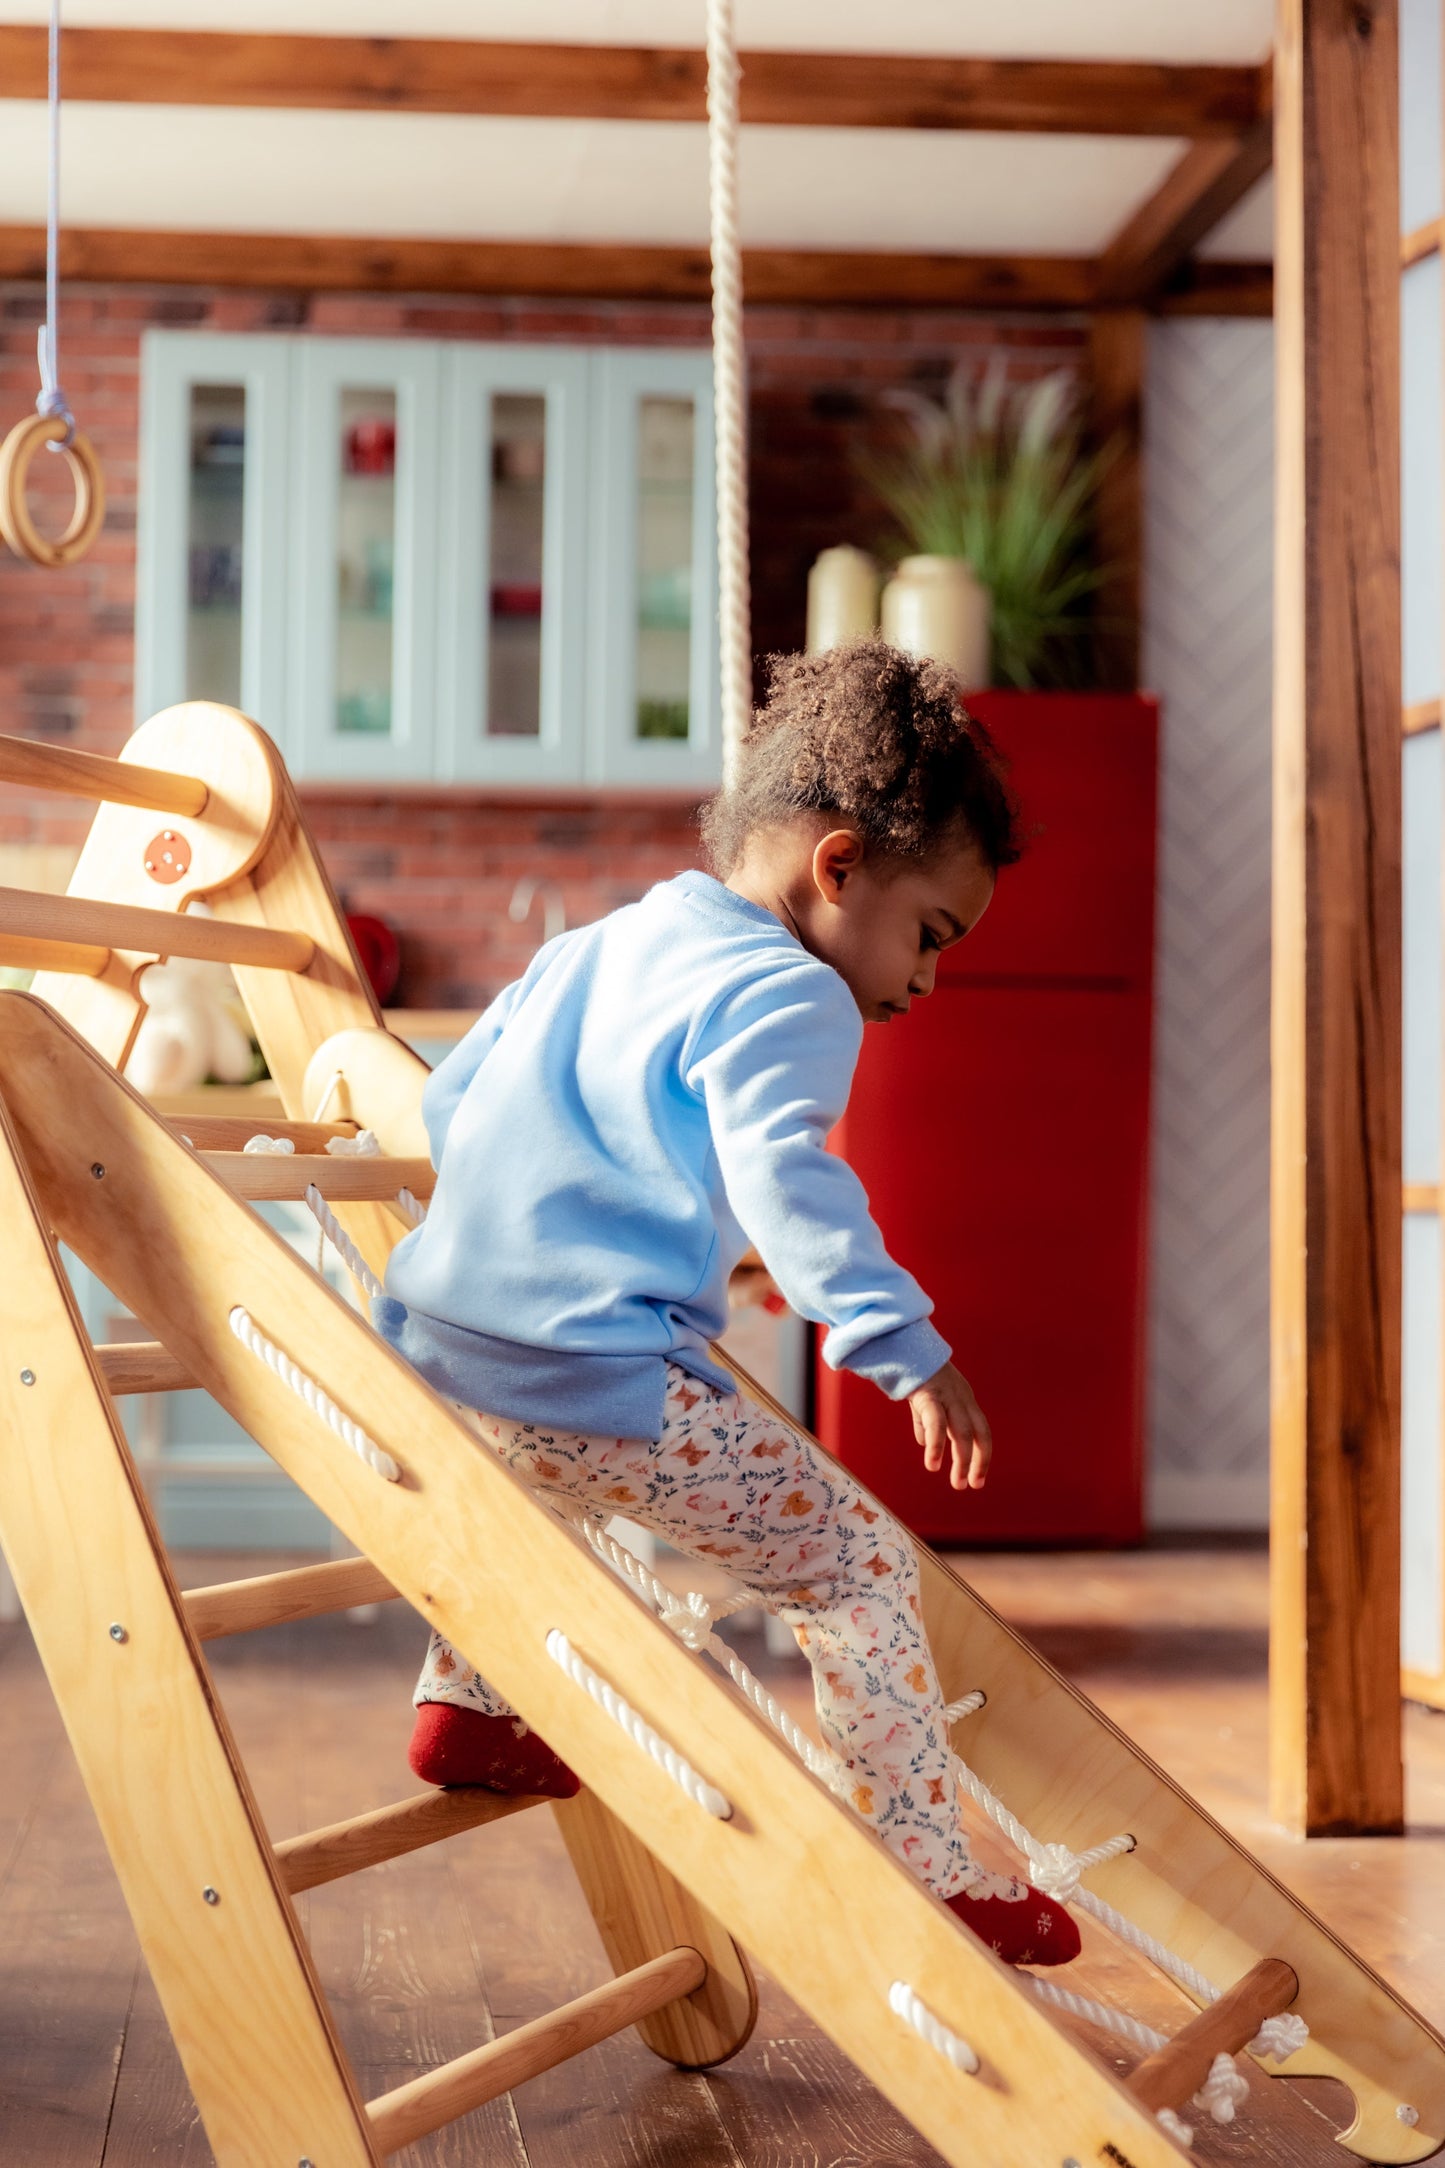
[[997, 474]]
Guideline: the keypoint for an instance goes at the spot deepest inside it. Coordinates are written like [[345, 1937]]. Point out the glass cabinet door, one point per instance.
[[211, 539], [365, 558], [654, 711], [514, 544]]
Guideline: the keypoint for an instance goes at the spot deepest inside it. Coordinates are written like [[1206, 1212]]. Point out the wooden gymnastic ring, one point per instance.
[[18, 528]]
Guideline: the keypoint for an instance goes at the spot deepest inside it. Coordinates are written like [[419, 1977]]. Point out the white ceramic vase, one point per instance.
[[842, 597], [935, 606]]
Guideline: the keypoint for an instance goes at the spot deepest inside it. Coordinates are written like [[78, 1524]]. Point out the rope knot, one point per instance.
[[1175, 2125], [690, 1617], [1280, 2037], [364, 1145], [1054, 1871], [1223, 2090]]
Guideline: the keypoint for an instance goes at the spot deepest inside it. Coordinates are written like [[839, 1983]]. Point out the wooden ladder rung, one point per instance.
[[71, 774], [142, 1366], [274, 1599], [424, 2104], [1175, 2072], [325, 1855], [287, 1175], [229, 1132], [62, 922]]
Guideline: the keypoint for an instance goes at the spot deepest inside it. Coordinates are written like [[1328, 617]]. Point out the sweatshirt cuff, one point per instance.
[[899, 1362]]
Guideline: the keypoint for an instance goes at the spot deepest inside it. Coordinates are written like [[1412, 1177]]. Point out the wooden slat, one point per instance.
[[599, 271], [1422, 1197], [230, 1132], [284, 1175], [1173, 2074], [1336, 1062], [142, 1366], [597, 82], [407, 2113], [275, 1599], [82, 959], [1423, 241], [72, 774], [1420, 715], [71, 919], [1116, 381], [1206, 184], [325, 1855]]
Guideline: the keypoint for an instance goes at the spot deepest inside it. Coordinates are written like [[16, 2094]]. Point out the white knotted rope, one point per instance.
[[1280, 2037], [306, 1388], [969, 1705], [364, 1145], [729, 388], [639, 1731], [264, 1147], [1224, 2090], [341, 1242], [412, 1207], [1175, 2125], [1101, 2014], [905, 2003]]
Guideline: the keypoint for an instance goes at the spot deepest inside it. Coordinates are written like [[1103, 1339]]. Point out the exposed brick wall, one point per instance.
[[444, 869]]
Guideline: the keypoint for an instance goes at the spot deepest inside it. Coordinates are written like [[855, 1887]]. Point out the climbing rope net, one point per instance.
[[1055, 1869]]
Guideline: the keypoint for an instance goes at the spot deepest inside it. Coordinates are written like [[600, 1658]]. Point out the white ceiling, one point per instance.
[[450, 176], [1184, 30]]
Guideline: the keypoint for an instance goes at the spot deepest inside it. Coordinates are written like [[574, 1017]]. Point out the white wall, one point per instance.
[[1209, 450]]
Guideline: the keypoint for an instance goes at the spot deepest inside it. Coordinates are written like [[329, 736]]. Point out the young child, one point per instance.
[[656, 1093]]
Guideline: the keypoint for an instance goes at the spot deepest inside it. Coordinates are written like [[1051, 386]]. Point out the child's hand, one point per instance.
[[945, 1412]]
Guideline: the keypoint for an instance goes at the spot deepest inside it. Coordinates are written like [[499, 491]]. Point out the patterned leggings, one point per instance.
[[729, 1483]]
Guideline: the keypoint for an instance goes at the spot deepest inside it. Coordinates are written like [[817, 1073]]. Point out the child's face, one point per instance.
[[882, 925]]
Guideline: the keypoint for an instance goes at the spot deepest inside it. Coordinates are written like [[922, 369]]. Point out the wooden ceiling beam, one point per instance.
[[596, 271], [1203, 188], [587, 82]]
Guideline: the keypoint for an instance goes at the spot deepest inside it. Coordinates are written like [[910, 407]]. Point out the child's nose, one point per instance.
[[922, 980]]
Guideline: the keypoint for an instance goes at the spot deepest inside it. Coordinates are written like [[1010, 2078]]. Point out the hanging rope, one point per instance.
[[729, 386], [52, 423]]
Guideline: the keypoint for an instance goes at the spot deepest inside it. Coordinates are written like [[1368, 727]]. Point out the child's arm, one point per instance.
[[773, 1063]]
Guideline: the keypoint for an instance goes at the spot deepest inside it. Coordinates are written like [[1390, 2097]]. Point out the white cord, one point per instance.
[[904, 2003], [1175, 2125], [1097, 2013], [51, 400], [364, 1145], [341, 1242], [969, 1705], [306, 1388], [1224, 2090], [729, 386], [1280, 2037], [637, 1728], [412, 1208], [266, 1147]]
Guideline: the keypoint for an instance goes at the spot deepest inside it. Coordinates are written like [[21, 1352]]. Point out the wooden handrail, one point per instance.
[[142, 1366], [26, 952], [65, 920], [366, 1840], [72, 774], [275, 1599], [287, 1175], [1174, 2073], [409, 2111]]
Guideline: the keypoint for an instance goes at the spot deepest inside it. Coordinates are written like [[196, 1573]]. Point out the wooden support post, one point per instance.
[[1175, 2072], [1336, 1169], [1117, 350]]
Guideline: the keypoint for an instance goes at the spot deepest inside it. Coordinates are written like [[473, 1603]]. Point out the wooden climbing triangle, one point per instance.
[[698, 1833]]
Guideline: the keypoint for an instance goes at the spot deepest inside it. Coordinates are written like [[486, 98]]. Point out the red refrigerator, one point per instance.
[[1002, 1134]]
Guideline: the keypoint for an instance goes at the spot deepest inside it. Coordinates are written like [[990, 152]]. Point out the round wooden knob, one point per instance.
[[18, 528]]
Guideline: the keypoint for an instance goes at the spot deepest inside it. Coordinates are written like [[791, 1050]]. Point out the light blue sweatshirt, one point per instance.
[[654, 1094]]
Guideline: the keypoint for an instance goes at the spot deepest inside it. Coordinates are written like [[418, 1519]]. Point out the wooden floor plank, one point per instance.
[[426, 1956]]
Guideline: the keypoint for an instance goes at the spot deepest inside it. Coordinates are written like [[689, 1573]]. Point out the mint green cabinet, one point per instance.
[[425, 561]]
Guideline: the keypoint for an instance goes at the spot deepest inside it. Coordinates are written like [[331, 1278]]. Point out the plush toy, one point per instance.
[[191, 1029]]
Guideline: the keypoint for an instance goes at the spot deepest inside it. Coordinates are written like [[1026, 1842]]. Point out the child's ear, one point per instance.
[[835, 858]]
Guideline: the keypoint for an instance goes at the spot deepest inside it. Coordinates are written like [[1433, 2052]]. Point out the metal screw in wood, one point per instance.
[[16, 524]]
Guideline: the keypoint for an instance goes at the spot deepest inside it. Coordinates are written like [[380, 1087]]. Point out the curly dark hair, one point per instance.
[[878, 738]]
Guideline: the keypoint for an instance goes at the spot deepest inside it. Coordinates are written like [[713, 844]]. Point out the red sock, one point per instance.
[[462, 1746], [1030, 1930]]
